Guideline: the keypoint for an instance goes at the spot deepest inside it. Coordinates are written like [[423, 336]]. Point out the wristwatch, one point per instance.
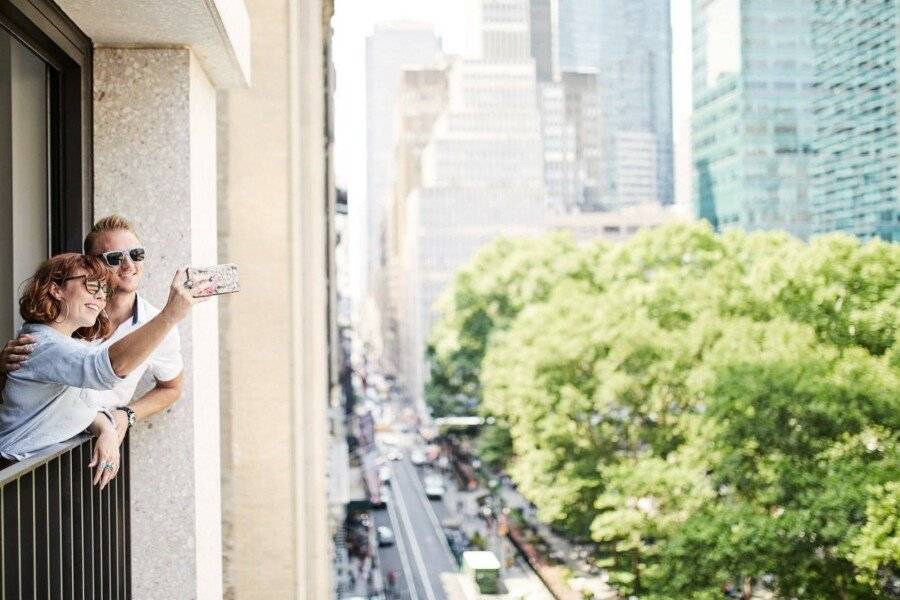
[[131, 416]]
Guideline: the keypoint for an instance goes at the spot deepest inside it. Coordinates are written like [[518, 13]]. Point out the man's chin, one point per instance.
[[126, 289]]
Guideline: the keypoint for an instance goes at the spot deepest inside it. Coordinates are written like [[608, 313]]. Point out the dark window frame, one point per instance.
[[46, 30]]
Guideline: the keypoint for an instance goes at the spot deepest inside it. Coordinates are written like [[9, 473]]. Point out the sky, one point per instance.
[[355, 19]]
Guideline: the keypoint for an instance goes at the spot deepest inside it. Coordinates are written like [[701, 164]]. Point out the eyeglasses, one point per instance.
[[115, 257], [91, 285]]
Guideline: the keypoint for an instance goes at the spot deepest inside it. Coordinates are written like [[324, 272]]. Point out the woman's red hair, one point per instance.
[[37, 304]]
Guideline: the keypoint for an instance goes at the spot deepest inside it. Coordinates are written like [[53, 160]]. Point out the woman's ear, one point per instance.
[[55, 292]]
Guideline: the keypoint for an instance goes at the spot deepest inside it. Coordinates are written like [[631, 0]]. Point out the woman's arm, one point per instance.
[[128, 353], [106, 450]]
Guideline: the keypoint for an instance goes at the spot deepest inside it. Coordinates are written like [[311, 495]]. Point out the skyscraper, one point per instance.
[[482, 173], [421, 99], [854, 173], [629, 45], [390, 49], [752, 121]]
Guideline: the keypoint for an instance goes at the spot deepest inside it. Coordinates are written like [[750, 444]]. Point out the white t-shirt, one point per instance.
[[164, 364]]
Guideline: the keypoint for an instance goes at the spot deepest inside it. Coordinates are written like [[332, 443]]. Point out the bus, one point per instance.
[[484, 568]]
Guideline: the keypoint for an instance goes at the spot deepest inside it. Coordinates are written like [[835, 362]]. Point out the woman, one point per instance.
[[47, 401]]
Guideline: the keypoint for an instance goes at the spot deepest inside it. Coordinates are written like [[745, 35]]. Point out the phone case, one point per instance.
[[226, 279]]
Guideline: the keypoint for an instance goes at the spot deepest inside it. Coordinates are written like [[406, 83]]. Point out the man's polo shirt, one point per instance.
[[164, 364]]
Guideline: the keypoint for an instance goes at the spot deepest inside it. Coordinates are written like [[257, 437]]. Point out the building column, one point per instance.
[[155, 163]]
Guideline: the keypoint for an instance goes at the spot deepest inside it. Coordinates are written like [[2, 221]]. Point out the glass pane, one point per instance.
[[23, 173]]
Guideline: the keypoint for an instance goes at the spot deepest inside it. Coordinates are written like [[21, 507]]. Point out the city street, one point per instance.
[[420, 557]]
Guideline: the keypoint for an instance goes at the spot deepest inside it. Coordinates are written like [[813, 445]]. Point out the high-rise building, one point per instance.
[[390, 49], [853, 184], [543, 38], [482, 173], [629, 45], [570, 126], [421, 98], [752, 121]]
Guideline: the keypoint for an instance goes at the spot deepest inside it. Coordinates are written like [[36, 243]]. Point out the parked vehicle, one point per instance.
[[417, 457], [384, 474], [385, 536], [484, 568], [434, 486]]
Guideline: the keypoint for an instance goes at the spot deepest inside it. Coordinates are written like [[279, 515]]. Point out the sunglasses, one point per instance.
[[91, 285], [115, 258]]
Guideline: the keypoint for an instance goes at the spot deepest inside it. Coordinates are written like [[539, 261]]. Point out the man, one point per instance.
[[113, 238]]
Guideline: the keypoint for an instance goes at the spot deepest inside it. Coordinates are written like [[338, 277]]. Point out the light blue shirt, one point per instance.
[[46, 400]]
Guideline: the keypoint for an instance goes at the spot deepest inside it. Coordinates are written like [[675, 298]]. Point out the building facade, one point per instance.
[[628, 43], [206, 124], [752, 123], [390, 49], [853, 179], [422, 97], [482, 174]]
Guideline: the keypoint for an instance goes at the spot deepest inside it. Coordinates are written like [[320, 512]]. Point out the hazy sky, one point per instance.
[[355, 19]]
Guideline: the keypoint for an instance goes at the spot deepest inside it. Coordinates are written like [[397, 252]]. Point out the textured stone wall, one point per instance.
[[154, 162]]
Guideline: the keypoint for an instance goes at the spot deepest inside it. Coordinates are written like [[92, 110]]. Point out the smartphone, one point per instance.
[[225, 278]]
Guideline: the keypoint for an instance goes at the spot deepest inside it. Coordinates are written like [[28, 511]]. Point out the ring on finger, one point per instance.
[[108, 466]]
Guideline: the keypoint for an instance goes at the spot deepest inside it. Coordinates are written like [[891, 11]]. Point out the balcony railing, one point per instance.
[[61, 536]]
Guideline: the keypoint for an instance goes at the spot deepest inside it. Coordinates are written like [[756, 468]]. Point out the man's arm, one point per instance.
[[161, 397], [13, 354]]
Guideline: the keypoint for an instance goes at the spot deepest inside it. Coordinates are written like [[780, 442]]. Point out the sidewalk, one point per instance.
[[518, 580], [587, 578]]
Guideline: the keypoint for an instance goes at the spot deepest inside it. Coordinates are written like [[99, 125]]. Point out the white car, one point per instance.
[[384, 474], [385, 536], [435, 492], [417, 457]]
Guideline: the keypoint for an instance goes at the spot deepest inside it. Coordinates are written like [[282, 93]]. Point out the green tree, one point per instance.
[[712, 409], [485, 297]]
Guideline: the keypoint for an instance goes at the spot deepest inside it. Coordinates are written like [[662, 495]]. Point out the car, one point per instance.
[[435, 492], [395, 455], [385, 536], [433, 481], [417, 457], [384, 474]]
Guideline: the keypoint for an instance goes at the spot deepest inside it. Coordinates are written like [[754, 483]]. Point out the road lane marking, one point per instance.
[[434, 521], [404, 561], [417, 551]]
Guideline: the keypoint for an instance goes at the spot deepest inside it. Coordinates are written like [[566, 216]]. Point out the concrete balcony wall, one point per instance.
[[154, 162]]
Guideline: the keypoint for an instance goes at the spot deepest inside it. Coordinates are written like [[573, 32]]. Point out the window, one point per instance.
[[45, 133]]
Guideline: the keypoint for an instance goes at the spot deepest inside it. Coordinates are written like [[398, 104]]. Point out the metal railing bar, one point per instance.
[[114, 533], [127, 482], [68, 546], [13, 472], [10, 540], [88, 539], [2, 548], [41, 518], [97, 535], [54, 522], [26, 536], [78, 530]]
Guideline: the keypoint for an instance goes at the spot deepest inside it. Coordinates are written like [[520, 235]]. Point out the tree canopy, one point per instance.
[[712, 409]]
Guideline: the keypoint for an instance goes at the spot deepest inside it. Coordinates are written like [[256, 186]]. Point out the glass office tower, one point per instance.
[[752, 122], [628, 43], [854, 174]]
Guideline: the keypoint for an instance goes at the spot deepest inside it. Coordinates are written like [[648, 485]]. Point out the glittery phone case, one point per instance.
[[225, 278]]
